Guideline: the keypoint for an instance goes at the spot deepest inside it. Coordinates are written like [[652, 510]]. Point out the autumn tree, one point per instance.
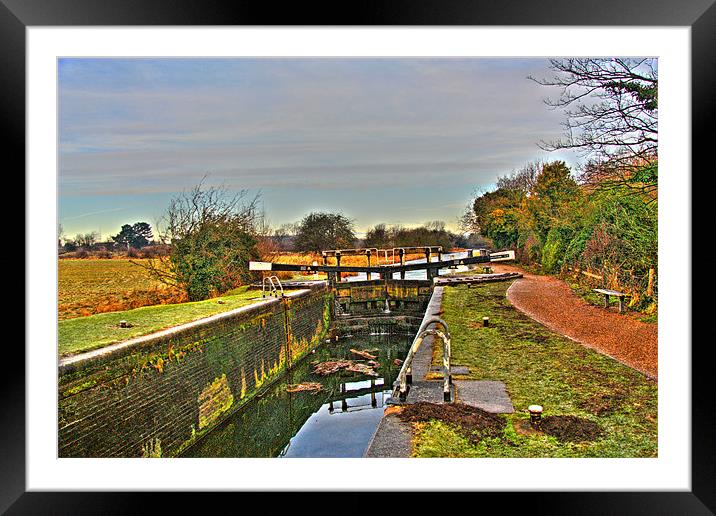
[[551, 197]]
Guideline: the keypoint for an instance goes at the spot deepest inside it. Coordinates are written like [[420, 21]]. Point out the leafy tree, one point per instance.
[[124, 237], [552, 194], [611, 108], [144, 236], [320, 231], [213, 236], [137, 235]]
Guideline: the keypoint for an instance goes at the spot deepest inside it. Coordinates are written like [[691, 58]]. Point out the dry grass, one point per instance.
[[93, 286]]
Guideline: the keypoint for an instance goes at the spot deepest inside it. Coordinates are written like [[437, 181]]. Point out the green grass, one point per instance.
[[95, 331], [541, 367]]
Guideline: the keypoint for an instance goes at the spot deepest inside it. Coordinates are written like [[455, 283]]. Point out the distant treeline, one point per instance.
[[320, 231]]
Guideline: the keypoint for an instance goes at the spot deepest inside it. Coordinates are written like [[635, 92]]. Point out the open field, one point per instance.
[[541, 367], [95, 331], [91, 286]]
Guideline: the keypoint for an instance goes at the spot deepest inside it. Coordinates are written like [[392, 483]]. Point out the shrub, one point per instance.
[[211, 234], [553, 250]]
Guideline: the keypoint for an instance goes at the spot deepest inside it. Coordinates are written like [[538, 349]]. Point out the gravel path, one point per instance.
[[551, 302]]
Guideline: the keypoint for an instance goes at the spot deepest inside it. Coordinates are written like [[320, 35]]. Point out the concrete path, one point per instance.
[[393, 437]]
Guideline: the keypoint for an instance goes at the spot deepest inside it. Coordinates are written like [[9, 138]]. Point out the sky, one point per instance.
[[393, 140]]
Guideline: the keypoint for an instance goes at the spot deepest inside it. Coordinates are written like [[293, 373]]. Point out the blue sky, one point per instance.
[[390, 140]]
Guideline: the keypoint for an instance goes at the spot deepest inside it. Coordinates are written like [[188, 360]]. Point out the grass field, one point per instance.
[[540, 367], [91, 286], [95, 331]]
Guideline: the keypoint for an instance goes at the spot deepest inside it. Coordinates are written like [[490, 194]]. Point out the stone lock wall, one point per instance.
[[166, 391], [367, 298]]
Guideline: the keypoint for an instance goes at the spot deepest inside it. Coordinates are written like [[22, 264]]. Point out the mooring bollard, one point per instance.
[[485, 322], [535, 415]]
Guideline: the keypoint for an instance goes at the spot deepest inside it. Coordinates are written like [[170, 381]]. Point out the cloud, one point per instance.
[[130, 126], [92, 213]]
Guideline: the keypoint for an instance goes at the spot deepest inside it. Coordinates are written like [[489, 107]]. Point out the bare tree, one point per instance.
[[86, 240], [523, 180], [611, 108], [213, 234]]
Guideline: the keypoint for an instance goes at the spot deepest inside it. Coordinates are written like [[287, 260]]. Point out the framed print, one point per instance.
[[285, 250]]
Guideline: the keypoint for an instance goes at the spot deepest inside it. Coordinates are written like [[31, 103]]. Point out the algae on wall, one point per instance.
[[175, 390]]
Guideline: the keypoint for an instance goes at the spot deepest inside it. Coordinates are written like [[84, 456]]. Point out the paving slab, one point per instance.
[[392, 438], [488, 395], [430, 392]]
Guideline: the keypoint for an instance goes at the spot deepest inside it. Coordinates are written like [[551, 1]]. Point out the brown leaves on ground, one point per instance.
[[471, 422]]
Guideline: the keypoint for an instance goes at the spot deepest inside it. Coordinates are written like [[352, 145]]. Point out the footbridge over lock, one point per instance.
[[385, 271], [375, 297]]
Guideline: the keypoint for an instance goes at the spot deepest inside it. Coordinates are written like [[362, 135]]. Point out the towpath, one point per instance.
[[551, 302]]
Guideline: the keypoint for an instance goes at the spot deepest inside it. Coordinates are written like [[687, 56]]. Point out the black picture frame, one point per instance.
[[700, 15]]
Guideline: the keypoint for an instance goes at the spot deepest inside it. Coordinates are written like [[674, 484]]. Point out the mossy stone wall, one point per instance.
[[173, 389]]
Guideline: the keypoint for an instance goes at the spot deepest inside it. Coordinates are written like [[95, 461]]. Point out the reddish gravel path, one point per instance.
[[551, 302]]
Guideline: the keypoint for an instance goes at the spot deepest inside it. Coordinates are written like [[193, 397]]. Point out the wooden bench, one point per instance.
[[606, 293]]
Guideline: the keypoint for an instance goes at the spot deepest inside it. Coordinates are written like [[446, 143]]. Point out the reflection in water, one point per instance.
[[337, 421]]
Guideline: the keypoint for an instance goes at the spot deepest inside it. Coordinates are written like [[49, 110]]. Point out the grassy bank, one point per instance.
[[95, 331], [540, 367]]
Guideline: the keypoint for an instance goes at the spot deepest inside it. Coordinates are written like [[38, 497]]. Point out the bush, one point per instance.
[[213, 260], [553, 250]]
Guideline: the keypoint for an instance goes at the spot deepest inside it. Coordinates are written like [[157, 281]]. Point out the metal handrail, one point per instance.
[[274, 290], [405, 377]]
